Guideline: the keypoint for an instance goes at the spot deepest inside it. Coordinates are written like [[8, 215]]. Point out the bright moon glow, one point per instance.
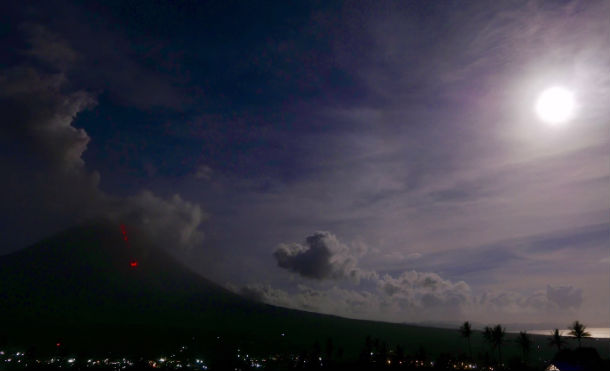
[[555, 105]]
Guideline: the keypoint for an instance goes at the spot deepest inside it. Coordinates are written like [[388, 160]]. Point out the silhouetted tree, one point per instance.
[[488, 336], [421, 354], [302, 362], [340, 352], [444, 361], [316, 354], [495, 337], [498, 333], [466, 332], [384, 350], [365, 355], [577, 330], [556, 340], [525, 343], [399, 352], [381, 352], [329, 350]]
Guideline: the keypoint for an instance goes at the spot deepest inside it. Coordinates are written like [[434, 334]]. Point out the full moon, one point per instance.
[[555, 105]]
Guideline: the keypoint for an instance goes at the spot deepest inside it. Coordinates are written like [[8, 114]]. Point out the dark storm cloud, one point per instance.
[[322, 256]]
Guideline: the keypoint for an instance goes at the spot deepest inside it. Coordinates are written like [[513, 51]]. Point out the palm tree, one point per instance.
[[556, 340], [399, 352], [495, 337], [525, 343], [466, 331], [488, 335], [578, 331], [329, 350], [498, 333]]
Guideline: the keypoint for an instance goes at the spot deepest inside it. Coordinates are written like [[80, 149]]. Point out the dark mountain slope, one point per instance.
[[78, 288], [84, 274], [80, 281]]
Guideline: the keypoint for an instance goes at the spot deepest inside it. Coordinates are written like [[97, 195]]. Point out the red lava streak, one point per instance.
[[124, 232], [132, 263]]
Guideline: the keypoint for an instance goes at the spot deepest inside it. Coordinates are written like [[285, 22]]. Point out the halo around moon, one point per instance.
[[555, 105]]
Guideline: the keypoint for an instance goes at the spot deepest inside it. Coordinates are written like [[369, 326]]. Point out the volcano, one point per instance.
[[89, 274], [94, 288]]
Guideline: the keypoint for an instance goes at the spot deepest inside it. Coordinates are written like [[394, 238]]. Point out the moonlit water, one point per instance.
[[596, 332]]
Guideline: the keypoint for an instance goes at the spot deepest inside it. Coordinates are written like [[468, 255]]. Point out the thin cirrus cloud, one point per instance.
[[411, 132], [447, 159]]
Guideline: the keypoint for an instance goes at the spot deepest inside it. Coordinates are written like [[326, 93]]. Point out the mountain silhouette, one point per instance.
[[91, 284], [86, 274], [91, 290]]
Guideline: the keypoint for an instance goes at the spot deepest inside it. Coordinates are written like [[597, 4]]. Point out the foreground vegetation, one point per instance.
[[490, 349]]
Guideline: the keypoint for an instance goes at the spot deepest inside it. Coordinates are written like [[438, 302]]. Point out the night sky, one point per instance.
[[378, 160]]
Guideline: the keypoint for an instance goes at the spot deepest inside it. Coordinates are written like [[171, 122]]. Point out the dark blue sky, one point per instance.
[[369, 159]]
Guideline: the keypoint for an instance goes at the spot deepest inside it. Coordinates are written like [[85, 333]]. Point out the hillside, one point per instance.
[[78, 288]]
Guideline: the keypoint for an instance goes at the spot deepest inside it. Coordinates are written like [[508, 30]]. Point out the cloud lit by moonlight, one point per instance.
[[555, 105]]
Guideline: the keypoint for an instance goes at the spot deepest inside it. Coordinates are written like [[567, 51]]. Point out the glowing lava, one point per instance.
[[132, 263]]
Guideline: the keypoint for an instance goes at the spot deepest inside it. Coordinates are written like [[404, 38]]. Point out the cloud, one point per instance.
[[203, 172], [437, 159], [322, 256], [262, 293], [350, 303], [430, 298], [171, 222], [395, 258], [554, 302], [46, 184], [410, 295], [36, 112], [48, 47], [564, 297], [425, 289], [416, 296]]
